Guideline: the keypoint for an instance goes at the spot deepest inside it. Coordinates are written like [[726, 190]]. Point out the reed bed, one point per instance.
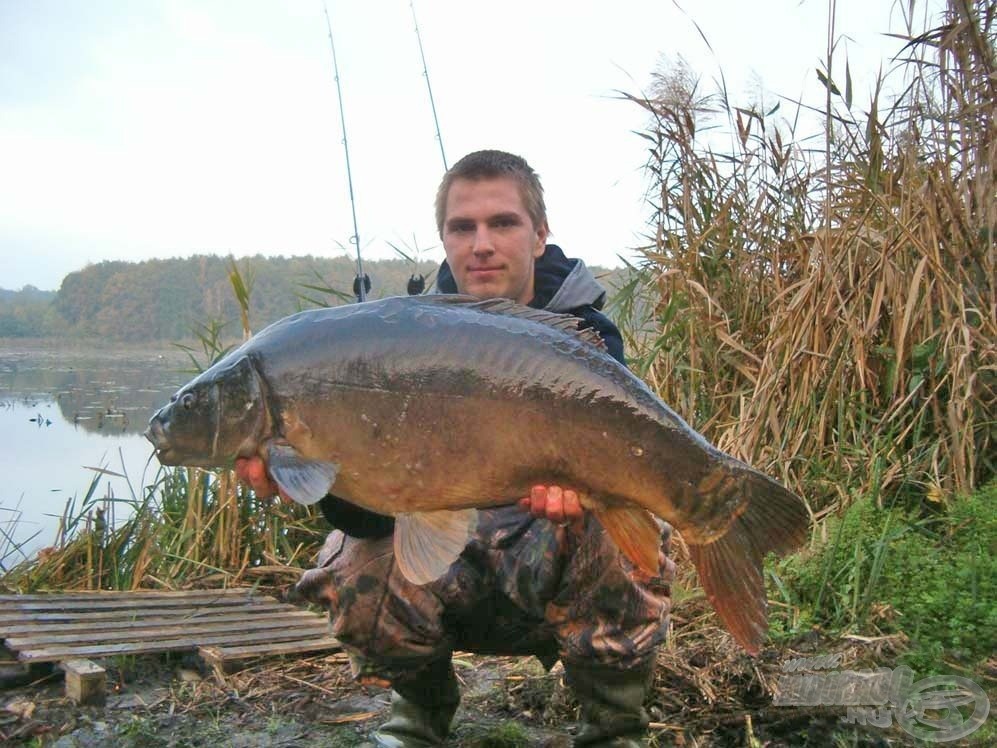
[[191, 528], [828, 311]]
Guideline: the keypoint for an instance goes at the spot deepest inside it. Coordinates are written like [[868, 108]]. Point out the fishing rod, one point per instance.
[[361, 284], [425, 73], [417, 283]]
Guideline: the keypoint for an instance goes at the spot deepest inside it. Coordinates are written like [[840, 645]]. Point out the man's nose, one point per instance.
[[483, 242]]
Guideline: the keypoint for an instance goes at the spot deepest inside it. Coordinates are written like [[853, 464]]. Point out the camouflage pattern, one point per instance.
[[522, 586]]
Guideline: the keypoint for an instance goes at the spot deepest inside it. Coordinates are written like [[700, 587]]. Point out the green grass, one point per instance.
[[503, 735], [928, 571]]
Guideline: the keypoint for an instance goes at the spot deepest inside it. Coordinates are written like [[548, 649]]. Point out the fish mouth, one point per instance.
[[156, 434]]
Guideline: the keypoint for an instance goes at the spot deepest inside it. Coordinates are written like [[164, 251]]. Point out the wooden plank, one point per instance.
[[215, 662], [63, 626], [132, 594], [262, 650], [49, 654], [132, 614], [85, 682], [260, 629], [224, 660], [120, 603], [83, 623]]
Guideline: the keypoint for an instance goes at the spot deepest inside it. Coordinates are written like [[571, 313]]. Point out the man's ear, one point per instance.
[[541, 244]]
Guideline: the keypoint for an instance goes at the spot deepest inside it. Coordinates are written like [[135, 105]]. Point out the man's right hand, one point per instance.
[[252, 471]]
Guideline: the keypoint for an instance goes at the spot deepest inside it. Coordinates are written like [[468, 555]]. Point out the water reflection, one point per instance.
[[63, 414], [114, 393]]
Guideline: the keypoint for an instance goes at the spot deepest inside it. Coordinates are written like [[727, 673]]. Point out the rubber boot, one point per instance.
[[422, 708], [612, 704]]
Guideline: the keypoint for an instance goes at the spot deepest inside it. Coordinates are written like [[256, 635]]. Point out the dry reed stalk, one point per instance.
[[832, 320], [193, 517]]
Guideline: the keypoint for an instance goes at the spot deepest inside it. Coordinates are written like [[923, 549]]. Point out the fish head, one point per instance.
[[213, 419]]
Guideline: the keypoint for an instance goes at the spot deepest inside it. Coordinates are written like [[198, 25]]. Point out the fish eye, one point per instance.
[[187, 401]]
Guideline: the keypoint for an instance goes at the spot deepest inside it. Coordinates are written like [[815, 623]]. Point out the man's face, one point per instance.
[[490, 240]]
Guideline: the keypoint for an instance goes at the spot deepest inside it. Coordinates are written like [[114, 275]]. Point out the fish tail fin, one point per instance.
[[772, 520]]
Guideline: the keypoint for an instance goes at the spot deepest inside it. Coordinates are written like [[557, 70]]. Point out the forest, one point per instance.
[[171, 299]]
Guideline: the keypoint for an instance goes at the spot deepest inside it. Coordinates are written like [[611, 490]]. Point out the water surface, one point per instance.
[[63, 411]]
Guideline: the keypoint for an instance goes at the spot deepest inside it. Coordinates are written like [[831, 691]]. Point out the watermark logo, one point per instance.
[[938, 709]]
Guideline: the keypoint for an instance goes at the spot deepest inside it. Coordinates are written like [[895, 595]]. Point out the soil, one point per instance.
[[707, 693]]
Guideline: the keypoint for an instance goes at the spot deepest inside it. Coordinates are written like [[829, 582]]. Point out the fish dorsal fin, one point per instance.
[[306, 481], [565, 322], [427, 543]]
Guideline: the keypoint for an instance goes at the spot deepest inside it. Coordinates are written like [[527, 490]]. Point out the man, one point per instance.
[[540, 578]]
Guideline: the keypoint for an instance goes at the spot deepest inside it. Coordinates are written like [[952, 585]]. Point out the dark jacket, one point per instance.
[[560, 285]]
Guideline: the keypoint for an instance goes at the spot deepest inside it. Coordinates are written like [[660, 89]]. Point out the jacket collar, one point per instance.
[[560, 284]]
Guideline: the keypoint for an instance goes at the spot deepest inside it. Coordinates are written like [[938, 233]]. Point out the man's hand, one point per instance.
[[253, 472], [559, 505]]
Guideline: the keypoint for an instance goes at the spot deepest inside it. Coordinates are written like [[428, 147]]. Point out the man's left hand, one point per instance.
[[559, 505]]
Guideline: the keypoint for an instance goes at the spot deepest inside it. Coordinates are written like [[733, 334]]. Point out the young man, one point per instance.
[[540, 578]]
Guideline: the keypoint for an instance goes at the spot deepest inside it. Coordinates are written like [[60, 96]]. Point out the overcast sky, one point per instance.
[[135, 129]]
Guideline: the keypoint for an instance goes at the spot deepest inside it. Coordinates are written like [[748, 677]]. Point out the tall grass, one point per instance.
[[190, 527], [828, 310]]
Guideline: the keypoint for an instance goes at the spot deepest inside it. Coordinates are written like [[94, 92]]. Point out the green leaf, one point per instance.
[[828, 83], [848, 86]]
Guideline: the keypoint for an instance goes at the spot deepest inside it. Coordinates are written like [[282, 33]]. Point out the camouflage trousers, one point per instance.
[[521, 586]]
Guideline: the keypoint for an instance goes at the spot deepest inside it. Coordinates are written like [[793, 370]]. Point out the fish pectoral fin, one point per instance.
[[636, 533], [304, 480], [427, 543]]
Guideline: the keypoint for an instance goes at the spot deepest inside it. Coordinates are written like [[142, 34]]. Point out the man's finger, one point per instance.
[[241, 465], [555, 504], [538, 501], [572, 506], [252, 471]]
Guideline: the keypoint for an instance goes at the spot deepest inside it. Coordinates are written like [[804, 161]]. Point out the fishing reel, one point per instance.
[[416, 285], [356, 287]]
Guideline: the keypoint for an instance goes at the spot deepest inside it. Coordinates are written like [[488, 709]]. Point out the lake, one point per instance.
[[64, 410]]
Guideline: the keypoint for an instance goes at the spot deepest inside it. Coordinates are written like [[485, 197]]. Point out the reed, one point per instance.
[[189, 528], [828, 311]]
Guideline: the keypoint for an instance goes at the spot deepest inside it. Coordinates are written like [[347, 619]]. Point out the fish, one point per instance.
[[428, 408]]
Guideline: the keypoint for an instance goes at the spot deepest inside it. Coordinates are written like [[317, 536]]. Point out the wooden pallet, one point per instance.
[[222, 625]]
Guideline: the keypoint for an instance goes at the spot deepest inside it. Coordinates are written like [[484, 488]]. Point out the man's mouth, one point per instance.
[[485, 269]]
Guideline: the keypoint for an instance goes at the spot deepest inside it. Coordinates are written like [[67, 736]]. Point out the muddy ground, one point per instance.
[[707, 693]]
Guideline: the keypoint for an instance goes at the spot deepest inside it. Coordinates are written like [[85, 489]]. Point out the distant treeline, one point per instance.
[[171, 299], [27, 313]]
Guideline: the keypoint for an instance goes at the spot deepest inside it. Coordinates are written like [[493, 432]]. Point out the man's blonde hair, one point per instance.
[[490, 165]]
